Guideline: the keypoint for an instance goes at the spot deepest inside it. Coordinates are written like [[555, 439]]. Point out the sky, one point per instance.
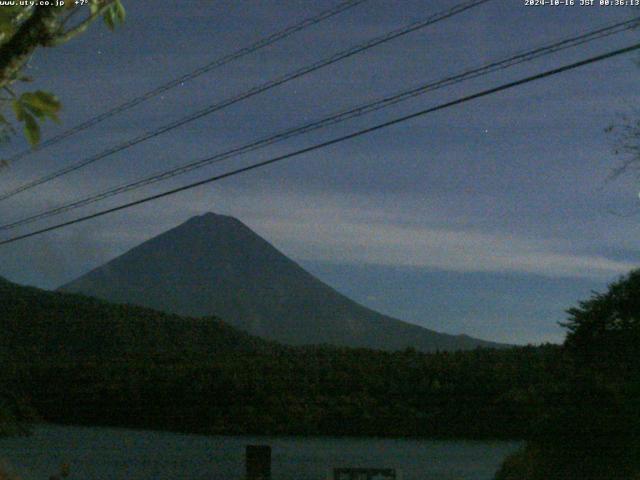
[[490, 218]]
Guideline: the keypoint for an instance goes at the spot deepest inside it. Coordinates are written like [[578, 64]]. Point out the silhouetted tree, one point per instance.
[[593, 425], [26, 27]]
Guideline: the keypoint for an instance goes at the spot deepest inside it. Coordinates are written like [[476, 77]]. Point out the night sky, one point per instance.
[[490, 218]]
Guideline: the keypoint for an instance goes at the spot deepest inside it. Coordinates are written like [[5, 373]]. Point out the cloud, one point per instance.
[[399, 231], [462, 251], [389, 229]]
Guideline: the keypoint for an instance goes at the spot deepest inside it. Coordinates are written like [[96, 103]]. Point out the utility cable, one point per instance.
[[335, 118], [333, 141], [250, 93], [219, 62]]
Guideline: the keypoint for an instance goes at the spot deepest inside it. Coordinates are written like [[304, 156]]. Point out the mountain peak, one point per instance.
[[212, 224], [210, 218], [214, 265], [214, 217]]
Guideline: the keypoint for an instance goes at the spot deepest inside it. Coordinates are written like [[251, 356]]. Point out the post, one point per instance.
[[258, 462]]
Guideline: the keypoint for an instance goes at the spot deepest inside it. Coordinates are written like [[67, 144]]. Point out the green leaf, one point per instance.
[[6, 32], [44, 101], [10, 19], [94, 6], [41, 104], [34, 111], [18, 109], [53, 117], [121, 13], [30, 107], [109, 19], [114, 15], [12, 14], [31, 129]]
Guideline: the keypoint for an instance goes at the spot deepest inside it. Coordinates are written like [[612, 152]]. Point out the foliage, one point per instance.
[[299, 391], [604, 331], [84, 361], [598, 459], [593, 431], [603, 346], [625, 134], [7, 475], [33, 106], [25, 28]]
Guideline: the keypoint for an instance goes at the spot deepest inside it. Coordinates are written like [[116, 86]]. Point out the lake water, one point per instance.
[[106, 453]]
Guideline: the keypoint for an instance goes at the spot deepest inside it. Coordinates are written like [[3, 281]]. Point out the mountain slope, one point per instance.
[[215, 265]]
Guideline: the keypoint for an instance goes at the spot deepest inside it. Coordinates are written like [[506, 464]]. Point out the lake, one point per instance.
[[109, 453]]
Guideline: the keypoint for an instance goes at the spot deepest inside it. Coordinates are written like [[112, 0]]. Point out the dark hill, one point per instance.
[[35, 323], [215, 265], [78, 360]]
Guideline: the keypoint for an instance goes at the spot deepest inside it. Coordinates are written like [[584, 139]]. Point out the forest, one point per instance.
[[325, 391], [592, 430], [75, 360]]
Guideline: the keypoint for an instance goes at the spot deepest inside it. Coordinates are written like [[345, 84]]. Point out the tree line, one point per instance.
[[76, 360]]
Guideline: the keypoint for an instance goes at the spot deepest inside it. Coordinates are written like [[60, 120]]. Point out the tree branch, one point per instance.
[[82, 26], [38, 30]]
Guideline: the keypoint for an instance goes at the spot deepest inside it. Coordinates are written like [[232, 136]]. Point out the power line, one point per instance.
[[334, 141], [412, 27], [339, 117], [219, 62]]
